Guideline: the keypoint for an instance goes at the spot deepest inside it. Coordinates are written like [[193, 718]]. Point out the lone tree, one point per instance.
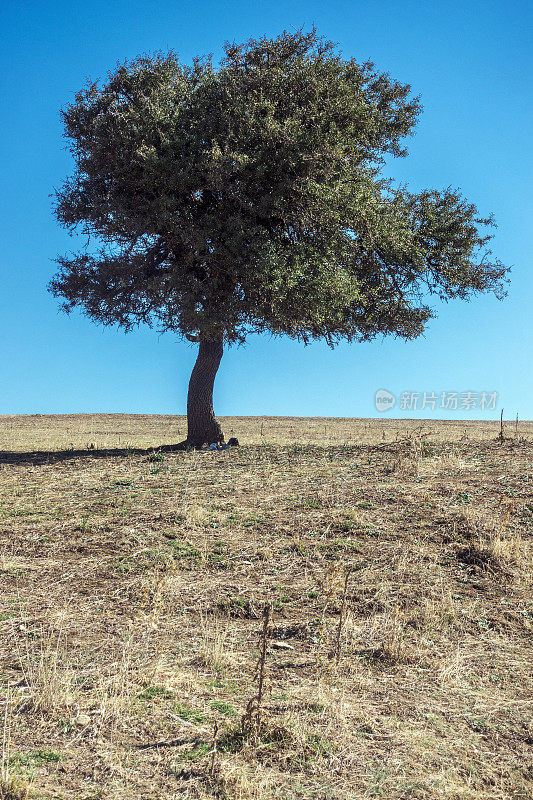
[[249, 198]]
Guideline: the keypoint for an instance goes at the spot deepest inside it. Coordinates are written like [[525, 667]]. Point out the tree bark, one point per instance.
[[203, 426]]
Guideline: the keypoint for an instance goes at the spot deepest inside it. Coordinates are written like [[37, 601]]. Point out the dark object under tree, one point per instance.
[[249, 198]]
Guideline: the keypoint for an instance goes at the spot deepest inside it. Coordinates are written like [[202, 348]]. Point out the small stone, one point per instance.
[[82, 720], [281, 646]]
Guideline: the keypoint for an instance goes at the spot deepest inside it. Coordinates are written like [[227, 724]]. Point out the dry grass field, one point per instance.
[[337, 609]]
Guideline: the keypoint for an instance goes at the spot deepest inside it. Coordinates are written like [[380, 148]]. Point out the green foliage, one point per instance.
[[37, 758], [334, 548], [182, 549], [188, 713], [249, 197], [156, 457], [224, 708], [155, 691]]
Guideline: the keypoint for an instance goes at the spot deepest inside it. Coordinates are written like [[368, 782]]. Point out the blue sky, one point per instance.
[[471, 63]]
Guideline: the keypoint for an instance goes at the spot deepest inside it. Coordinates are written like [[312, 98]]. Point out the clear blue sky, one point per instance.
[[471, 62]]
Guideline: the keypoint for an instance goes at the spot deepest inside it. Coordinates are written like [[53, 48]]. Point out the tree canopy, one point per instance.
[[249, 197]]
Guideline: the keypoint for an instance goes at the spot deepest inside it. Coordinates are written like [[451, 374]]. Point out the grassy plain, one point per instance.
[[394, 558]]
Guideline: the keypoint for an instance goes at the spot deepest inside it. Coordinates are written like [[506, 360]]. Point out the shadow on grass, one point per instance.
[[159, 745], [38, 457]]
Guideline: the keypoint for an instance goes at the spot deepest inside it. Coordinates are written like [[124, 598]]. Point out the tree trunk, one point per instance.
[[203, 426]]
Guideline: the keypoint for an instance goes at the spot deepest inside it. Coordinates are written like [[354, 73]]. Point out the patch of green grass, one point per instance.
[[224, 708], [295, 547], [156, 457], [316, 745], [20, 512], [181, 549], [479, 724], [198, 752], [377, 788], [126, 565], [234, 602], [155, 691], [311, 502], [188, 713], [220, 683], [345, 524], [217, 558], [336, 546], [251, 520], [150, 557], [66, 725], [463, 497], [37, 758]]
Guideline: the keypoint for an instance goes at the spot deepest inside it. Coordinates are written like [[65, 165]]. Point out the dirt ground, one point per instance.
[[336, 609]]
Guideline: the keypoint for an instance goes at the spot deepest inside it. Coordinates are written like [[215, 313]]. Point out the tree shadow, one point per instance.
[[38, 457]]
